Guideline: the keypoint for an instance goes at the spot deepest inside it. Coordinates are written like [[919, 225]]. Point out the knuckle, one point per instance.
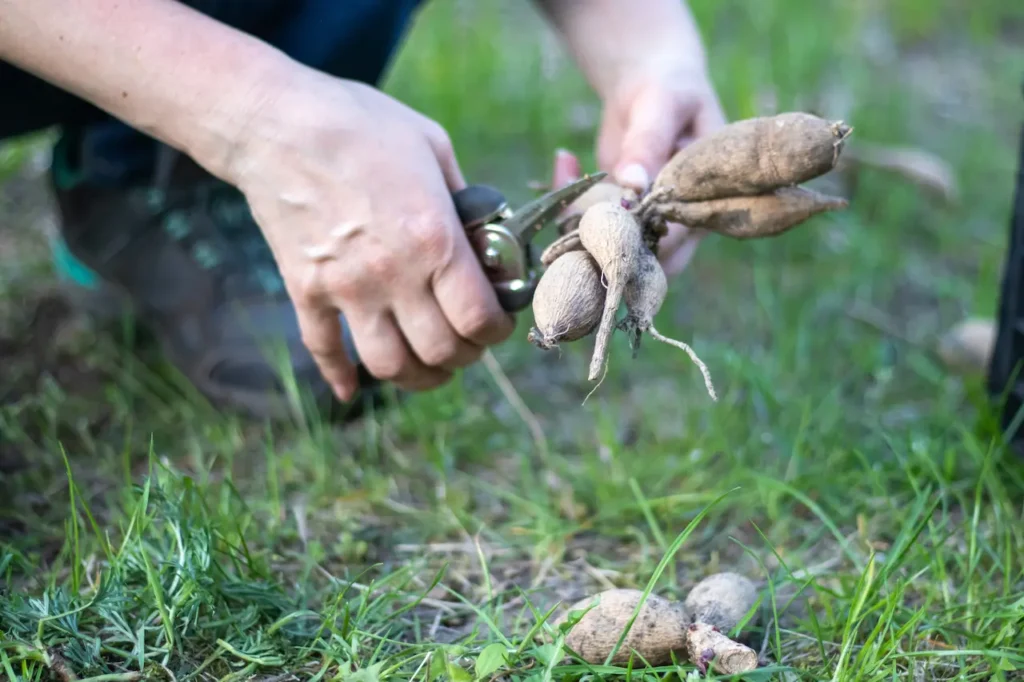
[[389, 367], [477, 321], [440, 352], [431, 238], [440, 139], [378, 266]]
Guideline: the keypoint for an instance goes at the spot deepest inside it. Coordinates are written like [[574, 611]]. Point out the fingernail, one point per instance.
[[634, 176]]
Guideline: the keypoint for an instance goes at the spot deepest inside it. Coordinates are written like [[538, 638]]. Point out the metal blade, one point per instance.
[[529, 219]]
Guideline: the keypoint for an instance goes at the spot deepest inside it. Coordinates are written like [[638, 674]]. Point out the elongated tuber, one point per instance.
[[612, 235], [722, 600], [751, 217], [658, 631], [568, 301], [751, 157]]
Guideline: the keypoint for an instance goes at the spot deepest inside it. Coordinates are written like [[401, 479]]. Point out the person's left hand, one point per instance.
[[643, 124]]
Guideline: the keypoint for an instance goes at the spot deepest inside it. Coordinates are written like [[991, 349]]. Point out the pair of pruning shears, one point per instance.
[[502, 237]]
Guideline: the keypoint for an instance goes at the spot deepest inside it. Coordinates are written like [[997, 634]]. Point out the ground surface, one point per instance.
[[842, 468]]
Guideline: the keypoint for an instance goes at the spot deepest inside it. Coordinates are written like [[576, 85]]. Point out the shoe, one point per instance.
[[180, 250]]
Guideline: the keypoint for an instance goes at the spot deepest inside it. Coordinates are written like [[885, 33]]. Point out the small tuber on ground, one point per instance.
[[742, 182], [664, 628]]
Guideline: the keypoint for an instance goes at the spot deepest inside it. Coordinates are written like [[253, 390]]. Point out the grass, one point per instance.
[[842, 469]]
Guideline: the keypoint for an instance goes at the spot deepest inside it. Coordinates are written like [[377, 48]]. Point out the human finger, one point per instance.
[[386, 354], [441, 144], [431, 337], [566, 170], [468, 300], [655, 122], [321, 333]]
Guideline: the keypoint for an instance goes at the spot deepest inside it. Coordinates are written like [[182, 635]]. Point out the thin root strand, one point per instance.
[[658, 336]]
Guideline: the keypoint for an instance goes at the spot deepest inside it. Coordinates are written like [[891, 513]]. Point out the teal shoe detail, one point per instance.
[[69, 268], [65, 177]]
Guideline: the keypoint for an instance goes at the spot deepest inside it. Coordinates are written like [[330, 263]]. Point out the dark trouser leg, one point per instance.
[[184, 251], [1006, 374]]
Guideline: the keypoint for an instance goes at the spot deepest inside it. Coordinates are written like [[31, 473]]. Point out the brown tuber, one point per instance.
[[602, 191], [741, 181], [662, 628], [751, 157], [645, 293], [721, 600], [707, 646], [751, 217], [568, 301], [613, 236], [658, 631]]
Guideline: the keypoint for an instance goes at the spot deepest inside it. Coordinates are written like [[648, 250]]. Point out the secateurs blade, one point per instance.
[[502, 237]]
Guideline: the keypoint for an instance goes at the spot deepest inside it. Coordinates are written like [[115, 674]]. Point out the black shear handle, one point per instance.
[[477, 205]]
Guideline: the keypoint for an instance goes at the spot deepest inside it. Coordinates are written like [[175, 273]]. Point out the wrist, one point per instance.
[[616, 43], [161, 67]]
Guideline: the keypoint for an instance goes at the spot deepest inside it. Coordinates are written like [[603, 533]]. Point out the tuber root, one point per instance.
[[751, 157], [662, 628], [613, 236], [644, 295], [721, 600], [568, 301], [563, 245], [659, 630], [751, 217]]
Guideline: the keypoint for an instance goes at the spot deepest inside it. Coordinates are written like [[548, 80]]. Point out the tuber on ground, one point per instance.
[[721, 600], [658, 631], [751, 217], [568, 301], [752, 156], [664, 628], [742, 181]]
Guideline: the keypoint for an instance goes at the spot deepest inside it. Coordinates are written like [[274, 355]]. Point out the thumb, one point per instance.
[[655, 123], [566, 169]]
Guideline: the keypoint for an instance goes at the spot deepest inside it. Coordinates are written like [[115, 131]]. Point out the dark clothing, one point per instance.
[[352, 39], [1006, 373]]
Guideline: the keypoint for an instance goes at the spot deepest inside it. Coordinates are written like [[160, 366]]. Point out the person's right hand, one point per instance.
[[339, 168]]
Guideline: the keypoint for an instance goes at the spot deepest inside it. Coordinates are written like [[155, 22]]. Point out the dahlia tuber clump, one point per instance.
[[742, 182], [695, 630]]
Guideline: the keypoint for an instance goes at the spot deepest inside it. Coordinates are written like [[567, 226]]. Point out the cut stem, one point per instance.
[[658, 336]]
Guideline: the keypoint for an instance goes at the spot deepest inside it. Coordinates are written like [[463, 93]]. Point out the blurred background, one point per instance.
[[837, 420]]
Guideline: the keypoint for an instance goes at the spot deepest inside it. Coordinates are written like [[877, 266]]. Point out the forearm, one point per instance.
[[155, 64], [612, 38]]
